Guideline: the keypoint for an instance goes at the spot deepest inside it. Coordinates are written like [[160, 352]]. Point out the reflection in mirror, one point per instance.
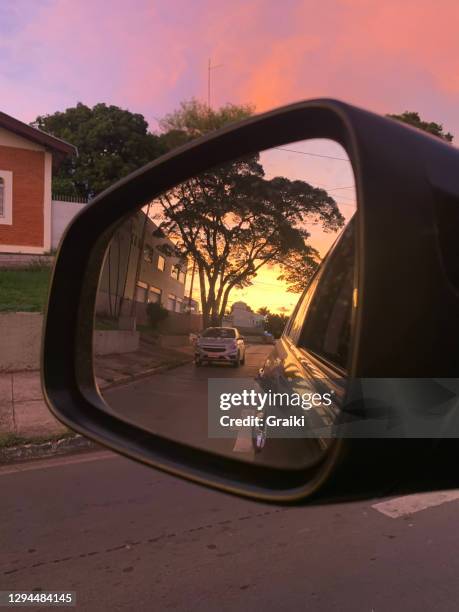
[[214, 312]]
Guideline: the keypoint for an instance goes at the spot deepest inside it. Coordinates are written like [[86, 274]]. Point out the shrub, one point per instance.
[[156, 313]]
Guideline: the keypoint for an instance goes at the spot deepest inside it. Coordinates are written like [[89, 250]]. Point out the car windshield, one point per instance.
[[219, 332]]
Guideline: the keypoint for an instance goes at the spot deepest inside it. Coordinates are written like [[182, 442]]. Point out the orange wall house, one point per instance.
[[26, 162]]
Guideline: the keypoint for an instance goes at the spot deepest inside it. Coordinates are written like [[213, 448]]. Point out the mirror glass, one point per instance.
[[224, 307]]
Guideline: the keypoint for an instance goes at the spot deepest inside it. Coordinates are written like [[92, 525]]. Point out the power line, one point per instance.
[[312, 154], [326, 157], [334, 188]]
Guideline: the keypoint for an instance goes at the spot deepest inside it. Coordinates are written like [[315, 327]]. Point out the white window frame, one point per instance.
[[7, 217]]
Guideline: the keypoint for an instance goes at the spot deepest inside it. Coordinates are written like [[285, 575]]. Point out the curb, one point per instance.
[[128, 378], [42, 450]]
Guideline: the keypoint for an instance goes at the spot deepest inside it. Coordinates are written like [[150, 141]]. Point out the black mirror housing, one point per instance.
[[405, 324]]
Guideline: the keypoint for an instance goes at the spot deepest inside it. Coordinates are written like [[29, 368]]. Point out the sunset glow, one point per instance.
[[151, 55], [321, 163]]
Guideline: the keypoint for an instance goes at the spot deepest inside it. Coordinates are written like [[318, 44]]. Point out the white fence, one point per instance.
[[62, 212]]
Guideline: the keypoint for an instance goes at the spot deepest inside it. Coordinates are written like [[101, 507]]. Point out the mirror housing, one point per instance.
[[405, 180]]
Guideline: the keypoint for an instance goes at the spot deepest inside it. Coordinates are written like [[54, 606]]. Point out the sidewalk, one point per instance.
[[150, 359], [24, 413]]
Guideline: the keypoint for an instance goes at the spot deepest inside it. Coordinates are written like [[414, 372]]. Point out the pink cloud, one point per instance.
[[148, 56]]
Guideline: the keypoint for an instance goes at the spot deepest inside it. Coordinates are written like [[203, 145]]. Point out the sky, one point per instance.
[[321, 163], [149, 55]]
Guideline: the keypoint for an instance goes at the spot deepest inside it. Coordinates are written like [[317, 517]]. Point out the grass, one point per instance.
[[24, 290], [8, 440]]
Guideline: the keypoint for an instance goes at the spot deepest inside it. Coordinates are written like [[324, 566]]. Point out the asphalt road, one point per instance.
[[125, 537], [174, 403]]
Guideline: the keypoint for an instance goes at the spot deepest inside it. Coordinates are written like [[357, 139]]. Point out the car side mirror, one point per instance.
[[384, 309]]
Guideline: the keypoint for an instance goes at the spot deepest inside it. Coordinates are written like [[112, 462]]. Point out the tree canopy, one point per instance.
[[194, 119], [232, 220], [413, 118], [111, 142], [274, 322], [298, 268]]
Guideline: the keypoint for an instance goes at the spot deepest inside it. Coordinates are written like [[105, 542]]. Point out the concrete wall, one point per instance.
[[20, 341], [180, 323], [23, 410], [107, 342], [176, 322], [108, 306], [61, 215], [23, 260]]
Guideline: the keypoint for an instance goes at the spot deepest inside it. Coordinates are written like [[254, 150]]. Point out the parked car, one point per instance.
[[313, 351], [222, 344]]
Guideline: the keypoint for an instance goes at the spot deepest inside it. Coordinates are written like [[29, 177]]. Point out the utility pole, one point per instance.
[[209, 68]]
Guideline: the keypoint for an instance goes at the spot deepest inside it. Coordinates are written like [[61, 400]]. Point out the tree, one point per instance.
[[413, 118], [194, 119], [299, 268], [274, 323], [231, 219], [111, 142], [156, 313]]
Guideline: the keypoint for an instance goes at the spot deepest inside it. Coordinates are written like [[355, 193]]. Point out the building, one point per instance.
[[27, 157], [190, 305], [244, 319], [158, 276]]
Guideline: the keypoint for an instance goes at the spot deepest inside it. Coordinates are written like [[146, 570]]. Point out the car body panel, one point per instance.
[[222, 349]]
